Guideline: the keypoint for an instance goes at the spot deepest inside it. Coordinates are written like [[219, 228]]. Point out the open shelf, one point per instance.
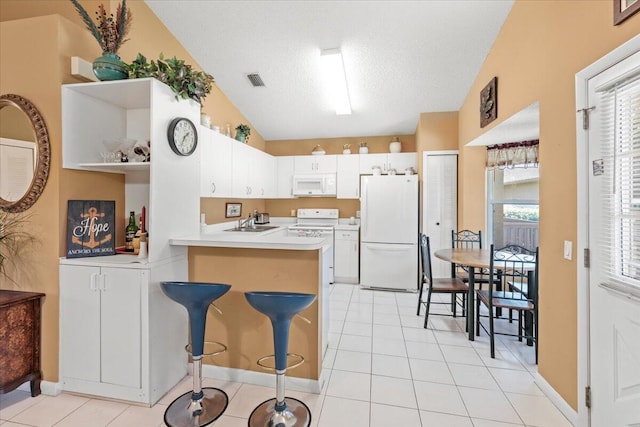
[[117, 167]]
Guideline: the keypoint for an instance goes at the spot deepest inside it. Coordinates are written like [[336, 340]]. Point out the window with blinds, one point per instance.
[[620, 127]]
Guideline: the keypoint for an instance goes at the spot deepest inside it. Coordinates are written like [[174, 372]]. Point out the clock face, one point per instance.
[[183, 136]]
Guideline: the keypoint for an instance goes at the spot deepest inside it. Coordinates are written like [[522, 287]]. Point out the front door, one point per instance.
[[614, 243]]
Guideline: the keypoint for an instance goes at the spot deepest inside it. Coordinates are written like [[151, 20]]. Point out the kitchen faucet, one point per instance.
[[249, 222]]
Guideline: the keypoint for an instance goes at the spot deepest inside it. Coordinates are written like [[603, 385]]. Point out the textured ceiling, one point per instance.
[[401, 58]]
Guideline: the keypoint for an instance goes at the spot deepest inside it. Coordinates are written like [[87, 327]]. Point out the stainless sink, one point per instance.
[[256, 229]]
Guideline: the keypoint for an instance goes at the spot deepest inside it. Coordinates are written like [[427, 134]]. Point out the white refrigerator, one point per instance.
[[389, 232]]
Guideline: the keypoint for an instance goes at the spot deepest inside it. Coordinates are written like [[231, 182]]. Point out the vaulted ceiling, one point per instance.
[[401, 58]]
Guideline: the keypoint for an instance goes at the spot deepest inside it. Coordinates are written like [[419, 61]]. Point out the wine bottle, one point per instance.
[[130, 233]]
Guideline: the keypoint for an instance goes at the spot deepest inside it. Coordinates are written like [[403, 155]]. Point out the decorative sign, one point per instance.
[[489, 102], [90, 228]]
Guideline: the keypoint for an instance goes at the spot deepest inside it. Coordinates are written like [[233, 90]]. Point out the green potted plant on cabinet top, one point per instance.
[[180, 77], [242, 133], [110, 34]]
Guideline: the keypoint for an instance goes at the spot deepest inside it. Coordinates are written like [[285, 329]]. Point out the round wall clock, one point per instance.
[[183, 136]]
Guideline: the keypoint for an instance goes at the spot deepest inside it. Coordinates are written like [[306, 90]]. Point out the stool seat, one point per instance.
[[201, 406], [280, 307], [277, 305]]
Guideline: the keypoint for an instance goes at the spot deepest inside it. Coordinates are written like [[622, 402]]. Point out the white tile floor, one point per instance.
[[386, 370]]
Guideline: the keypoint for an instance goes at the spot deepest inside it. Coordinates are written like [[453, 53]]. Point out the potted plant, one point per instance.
[[110, 34], [15, 241], [242, 133], [175, 73]]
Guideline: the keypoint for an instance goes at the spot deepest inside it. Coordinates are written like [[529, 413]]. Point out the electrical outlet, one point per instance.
[[357, 214], [568, 248]]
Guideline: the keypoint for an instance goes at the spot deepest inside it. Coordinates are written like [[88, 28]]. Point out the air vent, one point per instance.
[[255, 79]]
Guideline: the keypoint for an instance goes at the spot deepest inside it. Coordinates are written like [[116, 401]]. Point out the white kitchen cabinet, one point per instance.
[[120, 336], [315, 164], [346, 266], [439, 202], [285, 177], [215, 163], [402, 161], [253, 172], [262, 174], [241, 166], [348, 177], [386, 161], [108, 315]]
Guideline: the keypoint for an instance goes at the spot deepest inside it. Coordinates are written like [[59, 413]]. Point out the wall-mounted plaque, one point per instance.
[[489, 102], [90, 228]]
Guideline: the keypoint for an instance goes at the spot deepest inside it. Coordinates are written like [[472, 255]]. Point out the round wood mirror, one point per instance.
[[25, 153]]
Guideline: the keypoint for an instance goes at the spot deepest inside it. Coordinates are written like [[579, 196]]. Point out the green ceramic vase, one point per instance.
[[241, 137], [109, 67]]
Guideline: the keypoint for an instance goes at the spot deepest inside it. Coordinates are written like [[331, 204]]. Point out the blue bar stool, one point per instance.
[[201, 406], [280, 307]]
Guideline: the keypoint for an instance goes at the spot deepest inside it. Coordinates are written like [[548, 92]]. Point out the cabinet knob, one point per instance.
[[213, 187], [437, 223]]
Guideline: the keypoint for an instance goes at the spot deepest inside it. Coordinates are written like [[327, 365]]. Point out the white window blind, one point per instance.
[[620, 151]]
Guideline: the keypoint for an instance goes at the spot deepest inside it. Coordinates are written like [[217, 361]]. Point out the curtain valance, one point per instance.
[[513, 154]]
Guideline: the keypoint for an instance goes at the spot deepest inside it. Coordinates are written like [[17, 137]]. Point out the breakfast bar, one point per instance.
[[262, 261]]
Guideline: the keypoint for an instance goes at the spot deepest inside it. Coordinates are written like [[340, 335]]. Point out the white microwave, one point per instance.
[[314, 184]]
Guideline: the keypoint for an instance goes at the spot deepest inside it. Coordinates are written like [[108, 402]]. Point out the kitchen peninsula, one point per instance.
[[261, 261]]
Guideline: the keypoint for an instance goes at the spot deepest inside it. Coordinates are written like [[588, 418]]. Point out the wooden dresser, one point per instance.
[[20, 340]]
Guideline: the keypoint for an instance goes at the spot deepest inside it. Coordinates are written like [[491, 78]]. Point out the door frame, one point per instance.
[[582, 157]]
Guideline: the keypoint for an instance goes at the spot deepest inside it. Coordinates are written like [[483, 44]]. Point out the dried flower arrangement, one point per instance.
[[175, 73], [15, 241], [110, 32]]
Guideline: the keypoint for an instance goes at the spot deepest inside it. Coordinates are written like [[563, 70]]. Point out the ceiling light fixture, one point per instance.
[[333, 67]]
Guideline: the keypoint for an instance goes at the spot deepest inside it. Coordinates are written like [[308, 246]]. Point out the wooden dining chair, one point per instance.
[[447, 285], [517, 267]]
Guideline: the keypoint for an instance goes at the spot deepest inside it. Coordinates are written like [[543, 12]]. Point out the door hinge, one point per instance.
[[585, 116], [587, 258], [587, 396]]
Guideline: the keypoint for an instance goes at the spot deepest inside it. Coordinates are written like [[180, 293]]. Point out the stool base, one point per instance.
[[214, 402], [297, 414]]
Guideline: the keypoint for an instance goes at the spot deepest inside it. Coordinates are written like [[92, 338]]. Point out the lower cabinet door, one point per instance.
[[80, 322], [120, 326]]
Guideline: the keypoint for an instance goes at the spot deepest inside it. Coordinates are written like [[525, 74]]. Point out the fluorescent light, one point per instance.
[[333, 68]]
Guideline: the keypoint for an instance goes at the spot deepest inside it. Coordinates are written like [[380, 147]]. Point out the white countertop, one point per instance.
[[215, 236]]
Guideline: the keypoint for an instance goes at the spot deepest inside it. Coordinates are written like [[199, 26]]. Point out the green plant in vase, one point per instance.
[[110, 33], [180, 77], [242, 133]]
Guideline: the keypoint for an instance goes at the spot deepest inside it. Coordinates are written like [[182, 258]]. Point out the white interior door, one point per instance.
[[440, 204], [614, 243]]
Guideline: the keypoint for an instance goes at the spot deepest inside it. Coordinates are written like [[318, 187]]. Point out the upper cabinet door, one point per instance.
[[240, 185], [285, 177], [215, 164], [402, 161], [369, 161], [315, 164], [348, 177]]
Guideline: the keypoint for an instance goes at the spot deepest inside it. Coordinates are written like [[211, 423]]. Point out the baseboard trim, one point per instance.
[[263, 379], [47, 388], [556, 399]]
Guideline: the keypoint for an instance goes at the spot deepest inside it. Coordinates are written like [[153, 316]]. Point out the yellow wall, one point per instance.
[[37, 39], [540, 48]]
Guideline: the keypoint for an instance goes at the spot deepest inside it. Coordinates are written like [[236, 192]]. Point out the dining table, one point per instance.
[[480, 259], [472, 258]]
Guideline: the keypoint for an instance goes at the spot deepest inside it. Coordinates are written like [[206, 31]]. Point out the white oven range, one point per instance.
[[320, 223], [317, 223]]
